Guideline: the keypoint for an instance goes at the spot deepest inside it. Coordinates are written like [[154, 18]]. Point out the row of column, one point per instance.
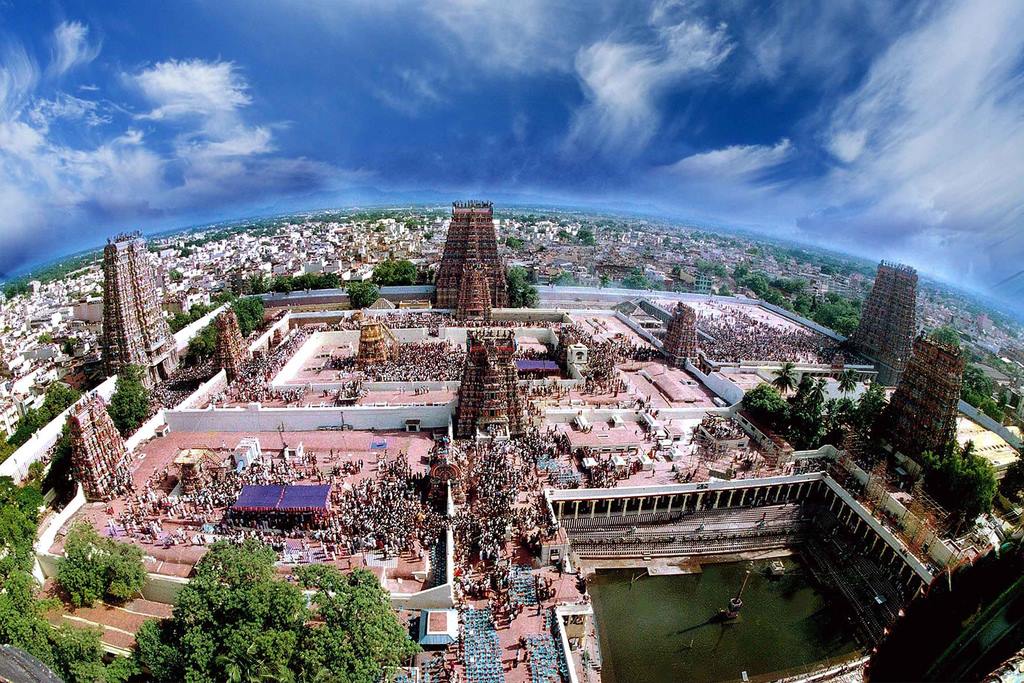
[[878, 547], [692, 501]]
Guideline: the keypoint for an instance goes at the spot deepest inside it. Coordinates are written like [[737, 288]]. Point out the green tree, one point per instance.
[[237, 620], [586, 237], [176, 275], [130, 405], [257, 283], [785, 378], [521, 294], [362, 294], [766, 405], [1012, 483], [96, 568], [514, 243], [249, 311], [963, 482], [358, 637], [390, 273], [869, 408], [946, 335], [637, 280]]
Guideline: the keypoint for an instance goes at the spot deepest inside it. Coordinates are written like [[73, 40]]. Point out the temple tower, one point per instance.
[[134, 329], [231, 352], [376, 343], [681, 336], [99, 459], [474, 288], [888, 320], [471, 221], [489, 402], [921, 415]]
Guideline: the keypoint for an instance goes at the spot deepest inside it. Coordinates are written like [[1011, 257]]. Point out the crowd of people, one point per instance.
[[731, 336]]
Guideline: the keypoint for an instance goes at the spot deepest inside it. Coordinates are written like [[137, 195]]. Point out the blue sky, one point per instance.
[[883, 129]]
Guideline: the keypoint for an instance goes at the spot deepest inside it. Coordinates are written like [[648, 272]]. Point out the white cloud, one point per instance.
[[116, 174], [736, 162], [409, 90], [622, 81], [71, 47], [192, 87], [932, 142]]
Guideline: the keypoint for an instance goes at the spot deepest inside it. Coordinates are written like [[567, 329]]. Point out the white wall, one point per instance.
[[255, 418]]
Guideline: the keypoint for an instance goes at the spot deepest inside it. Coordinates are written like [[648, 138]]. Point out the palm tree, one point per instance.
[[847, 381], [785, 378]]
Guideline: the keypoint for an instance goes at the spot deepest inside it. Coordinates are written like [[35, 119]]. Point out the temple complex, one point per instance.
[[888, 320], [231, 353], [489, 402], [135, 331], [99, 459], [921, 415], [471, 230]]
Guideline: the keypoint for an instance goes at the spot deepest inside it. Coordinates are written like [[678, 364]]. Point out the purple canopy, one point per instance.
[[534, 365], [309, 497], [258, 498], [291, 498]]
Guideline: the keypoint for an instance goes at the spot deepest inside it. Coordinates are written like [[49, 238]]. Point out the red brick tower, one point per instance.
[[888, 320], [134, 329], [231, 352], [489, 402], [470, 220], [681, 337], [99, 459], [921, 415]]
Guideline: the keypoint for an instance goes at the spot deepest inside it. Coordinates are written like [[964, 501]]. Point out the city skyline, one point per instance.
[[873, 131]]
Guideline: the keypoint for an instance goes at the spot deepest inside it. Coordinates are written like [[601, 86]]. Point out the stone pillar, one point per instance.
[[728, 503], [576, 512], [593, 507], [561, 504], [718, 498]]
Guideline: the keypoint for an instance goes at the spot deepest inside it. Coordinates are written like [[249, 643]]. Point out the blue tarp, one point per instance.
[[298, 498], [378, 444], [292, 498], [258, 497]]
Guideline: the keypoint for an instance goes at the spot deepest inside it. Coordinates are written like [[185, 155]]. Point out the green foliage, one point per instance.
[[59, 397], [586, 237], [306, 281], [257, 283], [73, 653], [249, 310], [711, 268], [563, 279], [637, 280], [834, 311], [176, 275], [766, 405], [1012, 483], [977, 389], [236, 620], [961, 481], [390, 273], [361, 294], [946, 335], [521, 294], [129, 406], [869, 409], [96, 568], [514, 243]]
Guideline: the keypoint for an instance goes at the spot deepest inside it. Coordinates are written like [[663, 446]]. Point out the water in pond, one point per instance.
[[663, 628]]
